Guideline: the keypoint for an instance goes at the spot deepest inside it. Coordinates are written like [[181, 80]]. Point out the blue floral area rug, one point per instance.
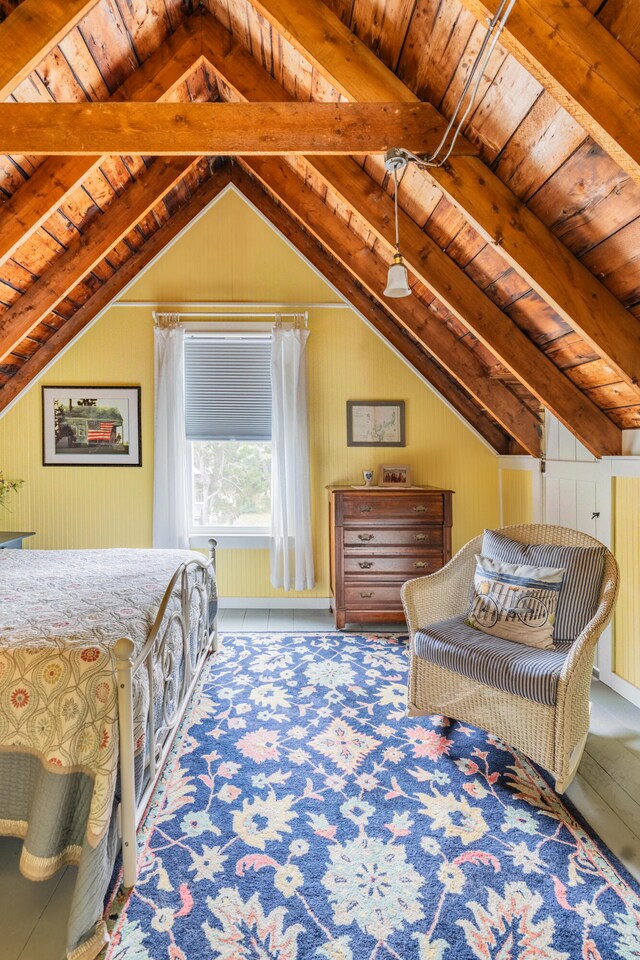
[[303, 815]]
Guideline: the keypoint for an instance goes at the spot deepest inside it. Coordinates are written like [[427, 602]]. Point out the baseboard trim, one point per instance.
[[274, 603]]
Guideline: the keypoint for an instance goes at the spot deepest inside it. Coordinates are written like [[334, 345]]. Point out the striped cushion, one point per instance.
[[583, 567], [512, 667]]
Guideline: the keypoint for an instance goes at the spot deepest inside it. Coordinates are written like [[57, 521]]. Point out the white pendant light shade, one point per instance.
[[397, 279]]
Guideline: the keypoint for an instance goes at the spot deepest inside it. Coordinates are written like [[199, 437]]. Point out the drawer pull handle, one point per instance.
[[365, 564], [420, 508], [420, 564], [420, 536], [365, 537], [365, 508], [366, 596]]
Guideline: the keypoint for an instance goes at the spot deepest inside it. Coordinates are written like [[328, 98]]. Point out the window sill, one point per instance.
[[230, 541]]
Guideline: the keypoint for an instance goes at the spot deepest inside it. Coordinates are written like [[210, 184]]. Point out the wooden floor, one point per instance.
[[33, 916]]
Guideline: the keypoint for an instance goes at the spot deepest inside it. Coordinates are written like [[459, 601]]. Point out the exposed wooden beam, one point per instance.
[[54, 180], [582, 65], [399, 337], [523, 240], [461, 362], [100, 236], [101, 299], [182, 129], [30, 31], [447, 281]]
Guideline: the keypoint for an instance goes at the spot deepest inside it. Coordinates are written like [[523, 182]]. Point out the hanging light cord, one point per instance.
[[395, 204], [488, 45]]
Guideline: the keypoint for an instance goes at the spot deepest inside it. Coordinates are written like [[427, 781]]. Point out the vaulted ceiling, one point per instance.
[[523, 249]]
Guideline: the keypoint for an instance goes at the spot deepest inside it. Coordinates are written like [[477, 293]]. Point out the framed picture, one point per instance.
[[375, 423], [91, 427], [394, 475]]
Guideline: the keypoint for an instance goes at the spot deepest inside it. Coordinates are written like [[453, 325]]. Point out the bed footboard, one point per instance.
[[183, 634]]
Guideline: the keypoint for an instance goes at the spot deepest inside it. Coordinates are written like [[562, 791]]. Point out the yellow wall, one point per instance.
[[230, 253], [626, 650], [516, 496]]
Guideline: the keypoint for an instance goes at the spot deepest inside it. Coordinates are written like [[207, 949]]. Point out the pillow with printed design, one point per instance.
[[584, 566], [515, 602]]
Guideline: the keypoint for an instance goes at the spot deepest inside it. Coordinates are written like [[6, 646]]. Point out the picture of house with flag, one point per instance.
[[83, 426]]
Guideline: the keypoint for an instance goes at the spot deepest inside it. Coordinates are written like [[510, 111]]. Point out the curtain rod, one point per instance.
[[238, 316]]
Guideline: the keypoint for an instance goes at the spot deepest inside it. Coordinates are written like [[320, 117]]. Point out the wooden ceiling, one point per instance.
[[523, 250]]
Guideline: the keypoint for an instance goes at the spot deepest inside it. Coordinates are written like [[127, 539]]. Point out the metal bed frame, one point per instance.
[[194, 583]]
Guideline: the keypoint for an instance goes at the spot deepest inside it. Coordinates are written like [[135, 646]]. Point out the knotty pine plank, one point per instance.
[[544, 140], [472, 35], [108, 43], [84, 67], [587, 200], [383, 27], [435, 43], [616, 261], [147, 25]]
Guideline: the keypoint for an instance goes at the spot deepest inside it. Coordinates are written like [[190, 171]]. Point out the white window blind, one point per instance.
[[227, 387]]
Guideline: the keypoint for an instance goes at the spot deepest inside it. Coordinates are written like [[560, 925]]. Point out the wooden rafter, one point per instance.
[[582, 65], [451, 285], [54, 180], [101, 299], [30, 31], [81, 257], [399, 337], [182, 129], [462, 363], [492, 208], [447, 281]]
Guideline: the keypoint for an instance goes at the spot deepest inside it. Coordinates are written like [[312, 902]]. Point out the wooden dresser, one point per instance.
[[381, 537]]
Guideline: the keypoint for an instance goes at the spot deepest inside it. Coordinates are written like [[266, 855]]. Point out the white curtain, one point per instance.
[[170, 480], [291, 546]]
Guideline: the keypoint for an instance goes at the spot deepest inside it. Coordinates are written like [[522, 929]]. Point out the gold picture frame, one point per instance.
[[394, 475]]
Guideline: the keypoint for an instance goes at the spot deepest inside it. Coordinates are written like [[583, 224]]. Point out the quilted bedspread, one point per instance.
[[61, 613]]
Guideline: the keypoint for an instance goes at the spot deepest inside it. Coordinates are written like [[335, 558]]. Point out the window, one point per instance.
[[228, 421]]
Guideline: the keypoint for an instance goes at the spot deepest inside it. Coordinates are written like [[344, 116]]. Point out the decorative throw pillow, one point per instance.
[[515, 602], [583, 567]]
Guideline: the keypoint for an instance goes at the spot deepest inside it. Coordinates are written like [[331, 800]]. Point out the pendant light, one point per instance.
[[398, 157], [397, 278]]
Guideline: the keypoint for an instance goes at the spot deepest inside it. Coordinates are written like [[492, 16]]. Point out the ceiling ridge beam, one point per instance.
[[54, 180], [101, 236], [447, 281], [172, 129], [582, 66], [29, 33], [463, 364], [399, 337], [113, 287], [492, 208]]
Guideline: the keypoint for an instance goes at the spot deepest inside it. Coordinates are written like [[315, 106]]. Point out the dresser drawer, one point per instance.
[[384, 596], [422, 537], [390, 567], [407, 506]]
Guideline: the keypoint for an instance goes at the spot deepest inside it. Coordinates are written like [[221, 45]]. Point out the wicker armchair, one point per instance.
[[552, 736]]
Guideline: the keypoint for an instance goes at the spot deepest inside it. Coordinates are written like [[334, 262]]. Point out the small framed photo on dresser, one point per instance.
[[394, 475], [91, 427]]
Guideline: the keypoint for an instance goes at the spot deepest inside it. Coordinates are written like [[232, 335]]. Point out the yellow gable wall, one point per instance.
[[230, 253]]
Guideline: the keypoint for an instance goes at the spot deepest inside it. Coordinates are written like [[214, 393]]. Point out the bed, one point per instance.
[[99, 654]]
